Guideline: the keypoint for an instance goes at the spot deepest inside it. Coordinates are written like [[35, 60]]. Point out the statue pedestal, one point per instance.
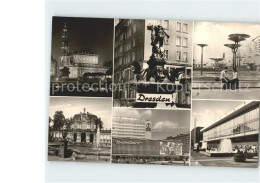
[[63, 149]]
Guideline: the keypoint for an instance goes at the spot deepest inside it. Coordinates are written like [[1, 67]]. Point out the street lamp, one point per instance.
[[234, 48], [202, 45], [236, 38]]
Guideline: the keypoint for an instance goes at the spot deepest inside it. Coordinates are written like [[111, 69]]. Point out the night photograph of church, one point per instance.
[[81, 57], [79, 129]]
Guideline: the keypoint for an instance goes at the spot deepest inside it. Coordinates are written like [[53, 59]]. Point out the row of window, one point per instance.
[[180, 27], [246, 122], [132, 125], [127, 59], [180, 56], [128, 132], [130, 129], [128, 120], [129, 32], [127, 47], [180, 41], [128, 23], [127, 135]]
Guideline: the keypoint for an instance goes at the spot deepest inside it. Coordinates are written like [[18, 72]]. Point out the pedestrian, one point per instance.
[[224, 79], [181, 77], [181, 97], [198, 148], [235, 80]]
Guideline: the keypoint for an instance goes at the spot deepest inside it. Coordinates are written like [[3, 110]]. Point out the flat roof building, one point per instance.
[[239, 129], [125, 127]]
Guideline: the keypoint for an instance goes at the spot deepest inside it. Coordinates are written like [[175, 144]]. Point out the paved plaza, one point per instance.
[[85, 154], [243, 94], [211, 75], [198, 159], [205, 86]]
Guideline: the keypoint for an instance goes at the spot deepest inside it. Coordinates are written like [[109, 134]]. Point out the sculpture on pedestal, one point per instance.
[[157, 59]]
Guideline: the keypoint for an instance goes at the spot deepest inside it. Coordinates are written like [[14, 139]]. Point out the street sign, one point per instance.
[[154, 98]]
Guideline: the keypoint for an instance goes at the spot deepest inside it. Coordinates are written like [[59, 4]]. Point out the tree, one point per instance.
[[65, 72], [58, 120], [53, 60], [98, 122], [50, 120], [109, 64]]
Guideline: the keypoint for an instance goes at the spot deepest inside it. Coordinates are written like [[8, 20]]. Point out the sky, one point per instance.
[[101, 107], [93, 34], [206, 112], [215, 35], [165, 123]]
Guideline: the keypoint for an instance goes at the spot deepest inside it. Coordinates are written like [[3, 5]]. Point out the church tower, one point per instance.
[[65, 56], [64, 41]]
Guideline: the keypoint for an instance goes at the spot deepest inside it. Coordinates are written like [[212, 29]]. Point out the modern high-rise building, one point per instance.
[[239, 129], [252, 53], [196, 136], [125, 127]]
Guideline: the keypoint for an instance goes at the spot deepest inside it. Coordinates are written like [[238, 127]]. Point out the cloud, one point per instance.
[[53, 107], [146, 114], [166, 125], [215, 34], [126, 113], [206, 117]]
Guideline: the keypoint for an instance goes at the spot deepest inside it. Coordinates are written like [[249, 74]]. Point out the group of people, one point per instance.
[[227, 82]]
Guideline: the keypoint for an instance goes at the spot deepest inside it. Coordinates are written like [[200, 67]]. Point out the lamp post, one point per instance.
[[234, 48], [236, 38], [201, 45]]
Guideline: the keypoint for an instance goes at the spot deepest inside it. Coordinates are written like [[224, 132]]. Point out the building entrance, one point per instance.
[[91, 137], [74, 137], [83, 137]]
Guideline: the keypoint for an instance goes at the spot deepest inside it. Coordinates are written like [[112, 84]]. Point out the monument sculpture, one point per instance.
[[156, 61]]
